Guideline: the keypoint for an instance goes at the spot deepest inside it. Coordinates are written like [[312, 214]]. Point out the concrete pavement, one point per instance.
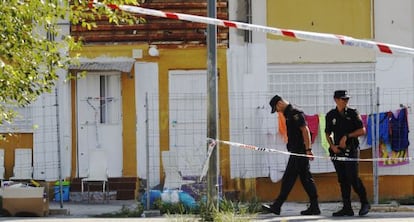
[[290, 212]]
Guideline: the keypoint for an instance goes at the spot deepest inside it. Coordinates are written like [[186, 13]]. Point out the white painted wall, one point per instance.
[[247, 74], [247, 61], [393, 21], [146, 82], [394, 24], [394, 72]]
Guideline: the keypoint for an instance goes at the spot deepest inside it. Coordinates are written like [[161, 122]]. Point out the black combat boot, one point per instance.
[[273, 208], [343, 212], [365, 207], [346, 209], [313, 209]]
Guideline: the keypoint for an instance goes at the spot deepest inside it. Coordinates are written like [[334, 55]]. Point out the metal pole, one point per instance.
[[147, 149], [212, 176], [375, 135], [58, 148], [51, 37], [376, 152]]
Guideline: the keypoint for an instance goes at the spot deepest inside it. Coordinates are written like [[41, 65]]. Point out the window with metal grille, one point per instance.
[[311, 86]]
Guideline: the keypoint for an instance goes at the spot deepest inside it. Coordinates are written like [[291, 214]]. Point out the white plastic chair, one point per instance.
[[173, 178], [97, 172], [23, 169]]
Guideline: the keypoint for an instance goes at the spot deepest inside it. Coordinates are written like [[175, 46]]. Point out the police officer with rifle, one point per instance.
[[343, 127]]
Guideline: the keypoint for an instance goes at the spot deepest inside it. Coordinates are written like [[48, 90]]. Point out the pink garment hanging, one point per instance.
[[313, 124], [364, 120]]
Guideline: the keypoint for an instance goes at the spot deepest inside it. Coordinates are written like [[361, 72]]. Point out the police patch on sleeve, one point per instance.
[[296, 117]]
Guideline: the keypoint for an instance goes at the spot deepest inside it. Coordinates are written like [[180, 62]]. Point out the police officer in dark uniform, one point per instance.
[[343, 127], [299, 141]]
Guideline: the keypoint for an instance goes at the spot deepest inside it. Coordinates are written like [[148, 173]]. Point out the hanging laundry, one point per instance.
[[393, 137], [391, 157], [363, 141], [324, 141], [384, 119], [282, 127], [313, 124], [364, 118], [399, 131]]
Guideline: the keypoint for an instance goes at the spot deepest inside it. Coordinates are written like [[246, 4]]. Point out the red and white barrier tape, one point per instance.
[[301, 35], [269, 150], [211, 145]]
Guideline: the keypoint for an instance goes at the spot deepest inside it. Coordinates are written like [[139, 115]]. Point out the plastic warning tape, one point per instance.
[[301, 35], [270, 150], [211, 145]]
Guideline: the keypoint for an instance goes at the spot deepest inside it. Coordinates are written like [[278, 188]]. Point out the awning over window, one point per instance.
[[122, 64]]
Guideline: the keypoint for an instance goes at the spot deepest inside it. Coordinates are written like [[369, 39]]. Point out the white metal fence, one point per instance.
[[251, 123]]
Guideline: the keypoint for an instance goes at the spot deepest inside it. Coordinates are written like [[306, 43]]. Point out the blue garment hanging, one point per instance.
[[399, 131], [384, 119]]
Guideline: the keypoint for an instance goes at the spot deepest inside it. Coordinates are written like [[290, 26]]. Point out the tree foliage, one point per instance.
[[31, 54]]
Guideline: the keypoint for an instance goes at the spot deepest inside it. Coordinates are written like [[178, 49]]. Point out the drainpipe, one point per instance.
[[372, 19]]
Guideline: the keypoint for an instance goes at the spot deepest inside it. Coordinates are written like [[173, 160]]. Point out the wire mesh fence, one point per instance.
[[251, 123], [175, 144], [34, 129]]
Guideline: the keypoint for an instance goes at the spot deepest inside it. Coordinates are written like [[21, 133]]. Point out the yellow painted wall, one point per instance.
[[350, 17], [93, 51], [171, 58], [128, 126], [9, 142]]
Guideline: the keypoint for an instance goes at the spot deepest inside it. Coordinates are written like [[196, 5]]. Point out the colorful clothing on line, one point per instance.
[[399, 131], [313, 124], [383, 127], [282, 127], [324, 141]]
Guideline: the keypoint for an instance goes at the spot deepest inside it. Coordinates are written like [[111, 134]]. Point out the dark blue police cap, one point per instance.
[[341, 94], [273, 102]]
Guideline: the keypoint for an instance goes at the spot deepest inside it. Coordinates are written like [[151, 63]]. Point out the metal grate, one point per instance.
[[312, 89]]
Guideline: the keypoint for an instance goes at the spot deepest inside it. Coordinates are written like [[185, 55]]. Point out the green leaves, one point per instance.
[[31, 48], [85, 13]]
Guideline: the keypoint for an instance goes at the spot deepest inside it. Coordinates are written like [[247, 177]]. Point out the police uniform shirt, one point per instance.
[[295, 119], [343, 123]]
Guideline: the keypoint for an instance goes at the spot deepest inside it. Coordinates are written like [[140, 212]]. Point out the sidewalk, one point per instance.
[[290, 211], [84, 209], [381, 212]]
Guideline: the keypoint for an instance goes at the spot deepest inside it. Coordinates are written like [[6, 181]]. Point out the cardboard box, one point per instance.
[[26, 201]]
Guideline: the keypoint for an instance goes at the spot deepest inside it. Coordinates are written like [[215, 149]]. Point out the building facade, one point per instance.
[[140, 94]]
